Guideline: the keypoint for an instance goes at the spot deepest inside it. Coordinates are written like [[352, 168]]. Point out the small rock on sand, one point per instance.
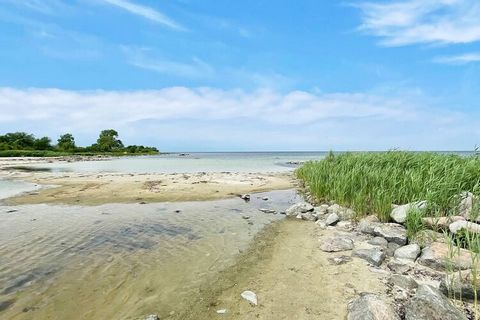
[[337, 244], [373, 256], [250, 297]]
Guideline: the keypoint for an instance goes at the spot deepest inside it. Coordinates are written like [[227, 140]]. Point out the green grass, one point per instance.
[[370, 183]]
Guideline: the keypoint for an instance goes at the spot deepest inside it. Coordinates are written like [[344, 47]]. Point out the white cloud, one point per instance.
[[422, 21], [213, 118], [458, 59], [145, 12]]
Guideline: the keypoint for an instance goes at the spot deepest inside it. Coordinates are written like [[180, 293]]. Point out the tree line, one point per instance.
[[107, 142]]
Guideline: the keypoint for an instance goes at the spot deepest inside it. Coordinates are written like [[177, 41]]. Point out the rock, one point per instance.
[[265, 198], [308, 216], [391, 248], [332, 219], [337, 244], [399, 213], [246, 217], [392, 232], [222, 311], [368, 224], [334, 208], [373, 256], [370, 306], [410, 252], [321, 224], [264, 210], [465, 208], [339, 260], [378, 241], [456, 226], [400, 266], [321, 210], [245, 197], [440, 223], [402, 281], [426, 237], [429, 303], [344, 224], [346, 214], [460, 285], [250, 297], [438, 256], [299, 208], [152, 317]]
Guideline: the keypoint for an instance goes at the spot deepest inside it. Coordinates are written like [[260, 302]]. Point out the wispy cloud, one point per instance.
[[236, 118], [146, 58], [42, 6], [401, 23], [459, 59], [145, 12]]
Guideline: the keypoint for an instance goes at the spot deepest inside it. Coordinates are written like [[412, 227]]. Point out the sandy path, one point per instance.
[[291, 276]]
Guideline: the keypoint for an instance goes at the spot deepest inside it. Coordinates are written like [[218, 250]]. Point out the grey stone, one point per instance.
[[429, 303], [438, 256], [373, 256], [334, 208], [440, 223], [392, 232], [370, 306], [337, 244], [152, 317], [378, 241], [332, 219], [399, 266], [308, 216], [409, 252], [391, 248], [368, 224], [465, 208], [460, 285], [265, 210], [399, 213], [456, 226], [298, 208], [403, 281]]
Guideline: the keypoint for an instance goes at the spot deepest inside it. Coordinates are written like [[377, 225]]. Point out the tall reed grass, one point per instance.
[[370, 183]]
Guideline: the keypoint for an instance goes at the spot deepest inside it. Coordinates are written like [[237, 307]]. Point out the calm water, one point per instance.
[[193, 162]]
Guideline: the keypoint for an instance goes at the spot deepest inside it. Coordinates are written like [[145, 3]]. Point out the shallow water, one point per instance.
[[121, 261], [10, 188], [193, 162]]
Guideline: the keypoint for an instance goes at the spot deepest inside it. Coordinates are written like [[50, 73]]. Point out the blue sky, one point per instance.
[[244, 75]]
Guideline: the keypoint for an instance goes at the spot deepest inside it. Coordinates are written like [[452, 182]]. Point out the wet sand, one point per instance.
[[291, 276], [102, 188]]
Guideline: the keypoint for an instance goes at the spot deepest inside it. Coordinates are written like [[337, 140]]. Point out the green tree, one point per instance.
[[66, 142], [43, 143], [19, 140], [108, 141]]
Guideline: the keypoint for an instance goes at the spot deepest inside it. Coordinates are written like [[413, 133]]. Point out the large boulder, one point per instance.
[[337, 244], [374, 256], [410, 252], [399, 213], [442, 257], [460, 284], [299, 208], [370, 306], [392, 232], [456, 226], [430, 304]]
